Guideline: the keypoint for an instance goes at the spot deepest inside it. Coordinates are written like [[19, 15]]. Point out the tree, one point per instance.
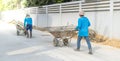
[[9, 4], [31, 3], [16, 4]]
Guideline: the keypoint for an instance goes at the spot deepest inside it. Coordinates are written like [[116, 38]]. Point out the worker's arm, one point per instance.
[[24, 22], [79, 25]]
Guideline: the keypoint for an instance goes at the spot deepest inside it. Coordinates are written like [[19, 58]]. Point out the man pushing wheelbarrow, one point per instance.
[[28, 25]]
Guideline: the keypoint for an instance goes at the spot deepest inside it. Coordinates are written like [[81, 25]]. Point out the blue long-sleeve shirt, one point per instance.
[[27, 20], [83, 24]]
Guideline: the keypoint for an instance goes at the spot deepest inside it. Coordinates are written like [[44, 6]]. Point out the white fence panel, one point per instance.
[[42, 20], [99, 14], [54, 20], [116, 24], [69, 19]]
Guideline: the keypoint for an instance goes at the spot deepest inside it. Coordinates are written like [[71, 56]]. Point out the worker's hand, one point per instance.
[[76, 32], [76, 29]]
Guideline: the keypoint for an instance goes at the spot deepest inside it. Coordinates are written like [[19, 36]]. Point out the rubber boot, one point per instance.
[[30, 34], [27, 34], [90, 51], [77, 49]]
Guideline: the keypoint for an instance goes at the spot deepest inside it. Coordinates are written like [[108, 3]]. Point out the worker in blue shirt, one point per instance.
[[82, 28], [28, 25]]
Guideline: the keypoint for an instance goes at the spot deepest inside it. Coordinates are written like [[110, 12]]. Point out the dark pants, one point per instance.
[[29, 27]]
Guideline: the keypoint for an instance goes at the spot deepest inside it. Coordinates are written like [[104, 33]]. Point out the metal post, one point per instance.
[[80, 5], [111, 17], [37, 15], [47, 15], [60, 14]]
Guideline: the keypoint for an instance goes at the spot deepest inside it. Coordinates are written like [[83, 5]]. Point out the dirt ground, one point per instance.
[[105, 40], [112, 42]]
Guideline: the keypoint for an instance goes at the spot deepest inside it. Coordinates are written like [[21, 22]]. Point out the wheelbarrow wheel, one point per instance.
[[55, 42], [65, 41]]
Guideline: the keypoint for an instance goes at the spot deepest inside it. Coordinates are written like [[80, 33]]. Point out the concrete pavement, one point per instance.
[[40, 48]]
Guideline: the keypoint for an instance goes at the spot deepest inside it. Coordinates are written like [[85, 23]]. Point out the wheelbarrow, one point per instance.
[[62, 35]]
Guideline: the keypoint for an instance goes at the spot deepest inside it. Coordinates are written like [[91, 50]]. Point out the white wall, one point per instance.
[[54, 19], [42, 20], [100, 20], [69, 18], [116, 24]]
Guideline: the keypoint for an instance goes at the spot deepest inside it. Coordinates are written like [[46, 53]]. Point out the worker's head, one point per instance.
[[27, 15], [81, 13]]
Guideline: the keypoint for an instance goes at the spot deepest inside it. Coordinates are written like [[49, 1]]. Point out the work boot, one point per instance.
[[30, 34], [90, 51], [27, 34], [77, 49]]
